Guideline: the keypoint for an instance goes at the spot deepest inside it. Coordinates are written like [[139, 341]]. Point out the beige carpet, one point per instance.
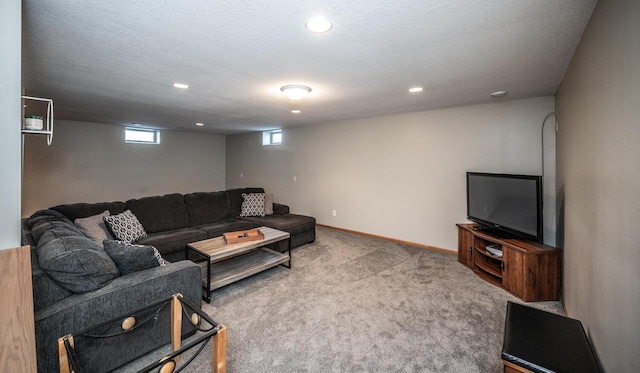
[[357, 304]]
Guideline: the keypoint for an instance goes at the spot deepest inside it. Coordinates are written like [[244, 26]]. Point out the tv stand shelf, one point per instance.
[[528, 270]]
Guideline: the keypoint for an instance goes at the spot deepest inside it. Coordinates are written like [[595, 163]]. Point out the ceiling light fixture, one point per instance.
[[499, 94], [199, 124], [181, 85], [296, 111], [318, 24], [415, 89], [295, 92]]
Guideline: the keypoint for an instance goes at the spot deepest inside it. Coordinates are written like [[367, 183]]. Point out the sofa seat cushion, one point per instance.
[[173, 241], [229, 225], [82, 210], [207, 207], [77, 263], [160, 213], [292, 223]]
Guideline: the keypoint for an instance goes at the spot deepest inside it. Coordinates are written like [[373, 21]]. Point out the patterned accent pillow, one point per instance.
[[130, 258], [125, 227], [253, 204]]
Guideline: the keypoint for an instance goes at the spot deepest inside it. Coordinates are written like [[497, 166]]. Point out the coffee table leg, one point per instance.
[[289, 254], [208, 289]]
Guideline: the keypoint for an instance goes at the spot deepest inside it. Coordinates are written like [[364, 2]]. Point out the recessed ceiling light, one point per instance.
[[318, 24], [415, 89], [295, 111], [181, 85], [499, 93], [199, 124], [295, 92]]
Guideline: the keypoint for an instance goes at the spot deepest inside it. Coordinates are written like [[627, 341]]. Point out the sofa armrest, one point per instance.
[[120, 297], [280, 209]]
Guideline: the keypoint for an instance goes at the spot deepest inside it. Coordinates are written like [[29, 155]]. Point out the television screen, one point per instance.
[[509, 204]]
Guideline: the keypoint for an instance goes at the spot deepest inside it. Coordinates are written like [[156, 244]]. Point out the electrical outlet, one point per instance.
[[334, 213], [295, 178], [241, 175]]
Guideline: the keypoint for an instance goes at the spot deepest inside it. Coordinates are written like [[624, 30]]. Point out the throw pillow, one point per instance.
[[125, 227], [77, 263], [252, 204], [130, 258], [94, 227], [268, 204]]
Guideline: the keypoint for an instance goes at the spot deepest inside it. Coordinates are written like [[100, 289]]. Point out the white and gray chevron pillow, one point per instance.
[[253, 204]]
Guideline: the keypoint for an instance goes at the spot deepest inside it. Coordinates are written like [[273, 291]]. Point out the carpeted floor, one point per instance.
[[357, 304]]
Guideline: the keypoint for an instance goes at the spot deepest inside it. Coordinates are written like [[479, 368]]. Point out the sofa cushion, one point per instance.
[[130, 258], [230, 225], [207, 207], [252, 204], [125, 226], [77, 263], [46, 291], [160, 213], [94, 227], [292, 223], [171, 242], [44, 221], [235, 198], [82, 210]]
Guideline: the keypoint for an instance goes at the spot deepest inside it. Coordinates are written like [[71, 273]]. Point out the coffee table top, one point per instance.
[[217, 249]]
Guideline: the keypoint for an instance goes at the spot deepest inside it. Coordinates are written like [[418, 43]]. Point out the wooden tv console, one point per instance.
[[528, 270]]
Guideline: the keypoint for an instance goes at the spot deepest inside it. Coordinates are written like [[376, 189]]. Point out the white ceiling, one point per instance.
[[114, 61]]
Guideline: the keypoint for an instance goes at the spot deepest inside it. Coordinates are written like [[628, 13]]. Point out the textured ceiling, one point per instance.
[[115, 61]]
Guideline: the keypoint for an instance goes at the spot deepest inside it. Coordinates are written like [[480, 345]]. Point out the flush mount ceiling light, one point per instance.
[[295, 92], [415, 89], [181, 85], [318, 24], [499, 94], [199, 124], [296, 111]]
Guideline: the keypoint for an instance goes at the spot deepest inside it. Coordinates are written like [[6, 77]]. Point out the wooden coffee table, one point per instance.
[[228, 263]]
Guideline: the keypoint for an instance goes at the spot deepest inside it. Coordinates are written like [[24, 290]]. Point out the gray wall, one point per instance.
[[400, 176], [10, 123], [599, 183], [90, 162]]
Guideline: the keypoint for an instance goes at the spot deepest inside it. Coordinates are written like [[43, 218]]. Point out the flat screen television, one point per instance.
[[506, 206]]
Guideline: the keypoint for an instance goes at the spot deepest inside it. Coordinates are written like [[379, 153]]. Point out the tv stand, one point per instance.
[[528, 270]]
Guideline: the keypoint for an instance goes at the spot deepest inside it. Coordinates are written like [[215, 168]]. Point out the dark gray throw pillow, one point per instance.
[[77, 263], [130, 258]]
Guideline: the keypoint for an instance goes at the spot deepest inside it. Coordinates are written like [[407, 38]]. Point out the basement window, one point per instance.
[[141, 136], [272, 137]]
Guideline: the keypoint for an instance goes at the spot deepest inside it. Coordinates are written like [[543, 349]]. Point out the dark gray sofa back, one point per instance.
[[160, 213], [207, 207], [74, 211]]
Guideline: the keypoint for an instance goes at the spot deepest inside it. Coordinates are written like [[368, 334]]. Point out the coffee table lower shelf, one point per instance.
[[237, 268]]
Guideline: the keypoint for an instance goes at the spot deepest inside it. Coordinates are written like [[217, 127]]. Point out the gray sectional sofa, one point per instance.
[[71, 301]]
